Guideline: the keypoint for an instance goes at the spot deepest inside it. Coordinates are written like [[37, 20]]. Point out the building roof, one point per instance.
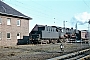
[[36, 27], [9, 11]]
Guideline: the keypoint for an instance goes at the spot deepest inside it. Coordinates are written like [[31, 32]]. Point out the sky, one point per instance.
[[54, 12]]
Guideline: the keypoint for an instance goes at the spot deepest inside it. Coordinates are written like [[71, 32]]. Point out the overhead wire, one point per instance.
[[43, 6], [50, 15], [37, 9], [26, 8], [86, 4]]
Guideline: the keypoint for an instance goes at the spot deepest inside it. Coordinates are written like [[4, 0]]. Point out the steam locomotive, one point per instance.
[[53, 34]]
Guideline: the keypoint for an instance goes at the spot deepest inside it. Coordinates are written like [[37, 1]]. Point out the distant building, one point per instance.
[[13, 25], [84, 34]]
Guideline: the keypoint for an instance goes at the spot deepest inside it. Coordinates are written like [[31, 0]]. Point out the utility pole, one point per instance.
[[64, 29], [76, 32], [64, 26], [64, 23], [76, 26]]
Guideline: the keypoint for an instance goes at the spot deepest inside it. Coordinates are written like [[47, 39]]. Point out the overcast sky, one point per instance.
[[54, 12]]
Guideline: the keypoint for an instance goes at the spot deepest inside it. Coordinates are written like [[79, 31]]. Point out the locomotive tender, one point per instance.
[[44, 34]]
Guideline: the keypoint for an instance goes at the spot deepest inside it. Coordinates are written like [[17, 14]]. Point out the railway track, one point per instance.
[[79, 55]]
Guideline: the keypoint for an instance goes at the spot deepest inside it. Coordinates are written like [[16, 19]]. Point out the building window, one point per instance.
[[53, 30], [18, 22], [8, 36], [0, 21], [8, 21], [47, 28], [0, 35], [18, 35]]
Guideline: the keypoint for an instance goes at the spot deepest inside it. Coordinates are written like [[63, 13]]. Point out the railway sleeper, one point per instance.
[[72, 55], [88, 58]]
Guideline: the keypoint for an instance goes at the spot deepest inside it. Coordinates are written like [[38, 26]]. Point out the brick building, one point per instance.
[[13, 25]]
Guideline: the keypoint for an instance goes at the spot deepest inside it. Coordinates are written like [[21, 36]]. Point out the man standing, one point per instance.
[[61, 47]]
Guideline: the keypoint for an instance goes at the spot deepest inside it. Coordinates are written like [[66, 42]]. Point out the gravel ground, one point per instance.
[[37, 52]]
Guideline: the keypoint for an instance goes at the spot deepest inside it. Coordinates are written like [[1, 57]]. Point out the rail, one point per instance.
[[72, 56]]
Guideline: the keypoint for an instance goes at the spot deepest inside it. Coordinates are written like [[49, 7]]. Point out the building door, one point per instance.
[[18, 35]]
